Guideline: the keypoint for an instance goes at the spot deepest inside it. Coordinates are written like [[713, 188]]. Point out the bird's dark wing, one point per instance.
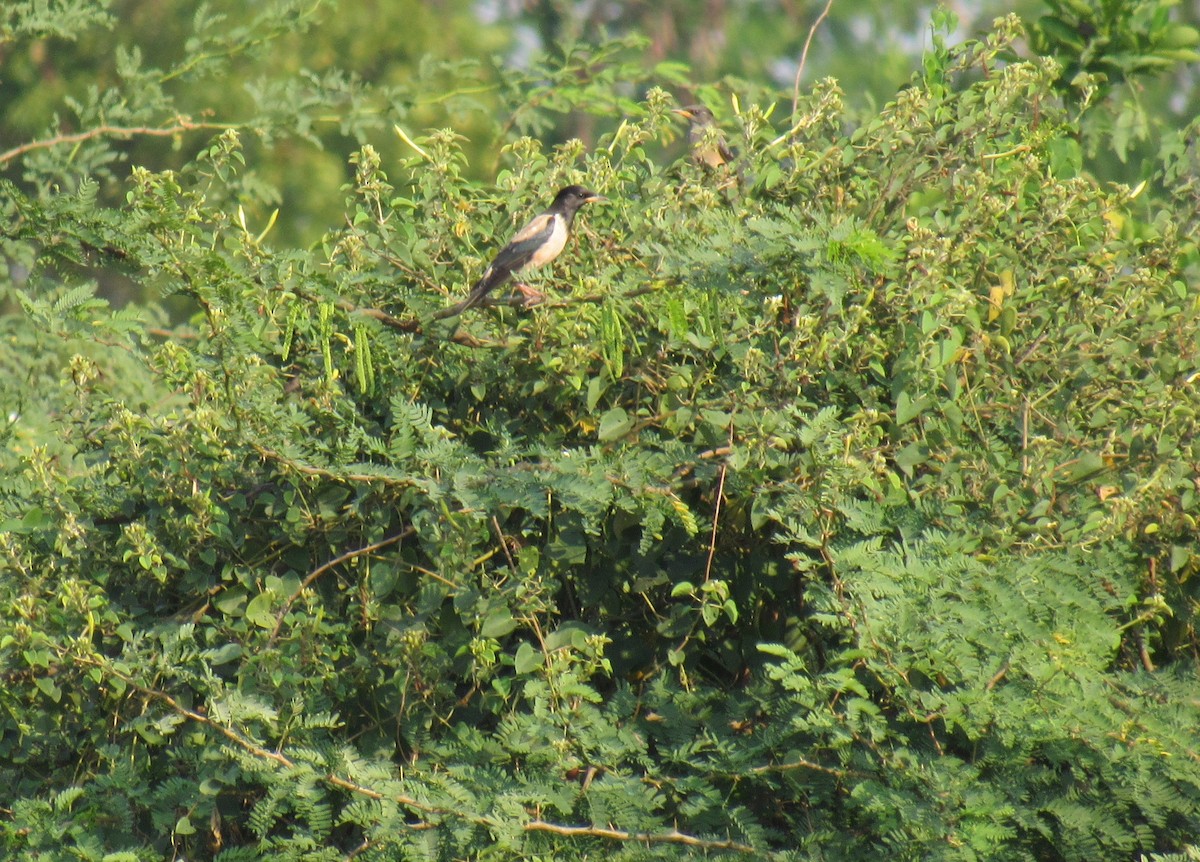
[[727, 153], [709, 147], [519, 252], [524, 244]]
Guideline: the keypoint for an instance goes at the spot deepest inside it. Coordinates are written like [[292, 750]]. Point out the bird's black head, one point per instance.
[[697, 114], [573, 197]]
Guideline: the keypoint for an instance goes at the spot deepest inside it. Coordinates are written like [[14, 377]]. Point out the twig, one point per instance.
[[182, 124], [504, 544], [800, 763], [546, 302], [159, 332], [413, 325], [672, 837], [1023, 148], [470, 302], [416, 326], [1025, 436], [430, 573], [1034, 345], [685, 470], [366, 845], [712, 540], [328, 473], [325, 567], [804, 55], [1144, 653]]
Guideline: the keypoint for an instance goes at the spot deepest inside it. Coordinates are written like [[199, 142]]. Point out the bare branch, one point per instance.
[[997, 676], [325, 567], [672, 837], [800, 763], [181, 124], [329, 473], [716, 518], [804, 55]]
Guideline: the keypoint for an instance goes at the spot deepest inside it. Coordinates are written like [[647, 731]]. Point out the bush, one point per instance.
[[843, 508]]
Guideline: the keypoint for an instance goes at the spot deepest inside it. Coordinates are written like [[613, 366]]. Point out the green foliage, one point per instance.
[[841, 507], [1113, 46], [1115, 41]]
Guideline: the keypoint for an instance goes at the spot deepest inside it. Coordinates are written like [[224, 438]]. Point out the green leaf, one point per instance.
[[260, 611], [614, 423], [498, 623], [1086, 466], [230, 602], [48, 687], [908, 408], [571, 634], [225, 654], [912, 455], [777, 650], [527, 659]]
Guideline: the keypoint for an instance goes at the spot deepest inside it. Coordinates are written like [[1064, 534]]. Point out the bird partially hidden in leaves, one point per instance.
[[533, 246], [709, 148]]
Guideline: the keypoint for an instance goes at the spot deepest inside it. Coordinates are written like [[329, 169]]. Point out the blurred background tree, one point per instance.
[[365, 65]]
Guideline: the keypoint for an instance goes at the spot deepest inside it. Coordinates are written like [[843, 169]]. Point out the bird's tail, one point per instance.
[[482, 288]]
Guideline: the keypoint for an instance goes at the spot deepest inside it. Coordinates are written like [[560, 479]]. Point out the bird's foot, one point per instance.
[[532, 295]]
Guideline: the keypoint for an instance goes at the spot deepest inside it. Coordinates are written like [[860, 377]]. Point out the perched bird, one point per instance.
[[708, 147], [534, 245]]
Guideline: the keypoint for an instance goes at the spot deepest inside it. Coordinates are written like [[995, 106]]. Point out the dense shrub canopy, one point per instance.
[[838, 503]]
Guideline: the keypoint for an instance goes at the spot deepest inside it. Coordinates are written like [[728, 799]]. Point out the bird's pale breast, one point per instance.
[[552, 247]]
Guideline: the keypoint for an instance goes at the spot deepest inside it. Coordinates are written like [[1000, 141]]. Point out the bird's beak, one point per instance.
[[681, 112], [596, 199]]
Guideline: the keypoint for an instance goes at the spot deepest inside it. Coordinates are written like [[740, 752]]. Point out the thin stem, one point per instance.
[[325, 567], [804, 55], [182, 124]]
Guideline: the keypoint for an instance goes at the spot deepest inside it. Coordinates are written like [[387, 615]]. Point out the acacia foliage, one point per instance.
[[843, 509]]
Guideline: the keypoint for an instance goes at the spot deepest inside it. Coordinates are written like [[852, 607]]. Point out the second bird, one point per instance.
[[534, 245], [708, 144]]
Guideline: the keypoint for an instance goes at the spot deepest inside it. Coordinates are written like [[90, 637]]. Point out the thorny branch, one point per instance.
[[534, 825]]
